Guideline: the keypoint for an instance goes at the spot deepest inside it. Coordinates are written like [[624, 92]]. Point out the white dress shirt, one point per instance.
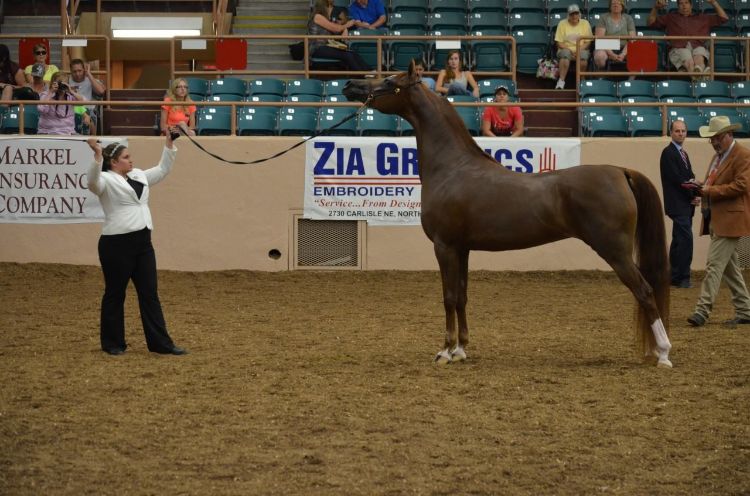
[[124, 212]]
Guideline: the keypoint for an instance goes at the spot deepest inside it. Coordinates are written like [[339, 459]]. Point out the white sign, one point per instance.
[[44, 181], [377, 179]]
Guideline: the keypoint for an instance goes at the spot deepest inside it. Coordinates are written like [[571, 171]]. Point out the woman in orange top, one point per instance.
[[172, 115]]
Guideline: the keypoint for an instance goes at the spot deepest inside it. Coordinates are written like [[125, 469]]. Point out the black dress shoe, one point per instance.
[[174, 350], [683, 284], [736, 321], [115, 351], [696, 320]]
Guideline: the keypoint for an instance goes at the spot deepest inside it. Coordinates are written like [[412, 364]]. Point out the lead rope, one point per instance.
[[276, 155]]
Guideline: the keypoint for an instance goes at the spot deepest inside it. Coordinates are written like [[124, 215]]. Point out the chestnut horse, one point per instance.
[[471, 203]]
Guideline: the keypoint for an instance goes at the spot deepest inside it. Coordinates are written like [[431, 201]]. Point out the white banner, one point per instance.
[[43, 180], [377, 179]]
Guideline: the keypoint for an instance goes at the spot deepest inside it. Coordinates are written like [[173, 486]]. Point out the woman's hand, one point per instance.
[[96, 147]]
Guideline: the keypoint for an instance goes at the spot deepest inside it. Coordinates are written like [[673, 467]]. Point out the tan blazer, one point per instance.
[[729, 196]]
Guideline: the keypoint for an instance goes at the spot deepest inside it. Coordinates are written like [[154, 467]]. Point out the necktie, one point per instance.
[[684, 157], [712, 170]]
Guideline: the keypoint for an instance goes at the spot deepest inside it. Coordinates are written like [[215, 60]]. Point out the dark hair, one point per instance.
[[8, 68], [419, 62], [111, 152], [77, 62]]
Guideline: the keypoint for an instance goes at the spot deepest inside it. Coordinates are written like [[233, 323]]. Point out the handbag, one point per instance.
[[337, 44], [548, 68]]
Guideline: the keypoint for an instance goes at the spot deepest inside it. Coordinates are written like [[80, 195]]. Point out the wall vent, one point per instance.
[[328, 244]]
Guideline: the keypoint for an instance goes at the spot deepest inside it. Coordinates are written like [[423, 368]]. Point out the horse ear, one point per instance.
[[412, 70]]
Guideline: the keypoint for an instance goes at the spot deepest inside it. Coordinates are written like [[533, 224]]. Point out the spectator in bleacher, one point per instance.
[[173, 115], [40, 57], [320, 24], [58, 119], [82, 81], [426, 80], [613, 23], [566, 35], [38, 84], [453, 80], [502, 121], [687, 55], [368, 14], [12, 78]]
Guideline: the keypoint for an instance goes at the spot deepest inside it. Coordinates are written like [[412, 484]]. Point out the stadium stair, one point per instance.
[[133, 120], [271, 17], [546, 122], [33, 26]]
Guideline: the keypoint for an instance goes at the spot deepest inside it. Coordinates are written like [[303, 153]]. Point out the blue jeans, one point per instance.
[[457, 89]]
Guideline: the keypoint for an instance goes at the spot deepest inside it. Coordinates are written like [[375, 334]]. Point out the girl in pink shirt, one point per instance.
[[172, 115]]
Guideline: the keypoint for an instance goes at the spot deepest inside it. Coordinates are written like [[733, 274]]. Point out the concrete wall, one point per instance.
[[213, 216]]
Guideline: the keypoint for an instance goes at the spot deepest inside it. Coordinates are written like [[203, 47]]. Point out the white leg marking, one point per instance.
[[458, 354], [662, 344], [443, 357]]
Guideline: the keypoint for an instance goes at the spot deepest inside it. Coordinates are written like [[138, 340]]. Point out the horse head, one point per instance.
[[388, 95]]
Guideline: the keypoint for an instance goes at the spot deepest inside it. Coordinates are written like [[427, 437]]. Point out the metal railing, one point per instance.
[[236, 106]]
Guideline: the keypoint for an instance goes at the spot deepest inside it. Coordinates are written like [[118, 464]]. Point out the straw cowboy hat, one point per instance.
[[717, 125]]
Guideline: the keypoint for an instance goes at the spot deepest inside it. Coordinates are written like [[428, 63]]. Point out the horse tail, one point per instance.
[[650, 255]]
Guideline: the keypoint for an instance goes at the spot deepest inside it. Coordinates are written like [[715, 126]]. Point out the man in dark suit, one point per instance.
[[679, 203]]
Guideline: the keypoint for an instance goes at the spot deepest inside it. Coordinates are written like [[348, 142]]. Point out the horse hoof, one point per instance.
[[443, 358], [664, 364], [458, 355]]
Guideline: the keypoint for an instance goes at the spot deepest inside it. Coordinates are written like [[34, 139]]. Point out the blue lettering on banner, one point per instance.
[[388, 160], [354, 162], [523, 157], [363, 190]]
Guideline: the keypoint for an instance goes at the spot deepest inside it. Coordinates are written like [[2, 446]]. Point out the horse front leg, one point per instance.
[[459, 352], [450, 264]]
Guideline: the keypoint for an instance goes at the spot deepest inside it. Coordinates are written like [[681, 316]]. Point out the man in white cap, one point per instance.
[[566, 35], [726, 216]]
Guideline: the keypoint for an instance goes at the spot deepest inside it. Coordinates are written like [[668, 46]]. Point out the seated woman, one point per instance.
[[502, 121], [613, 23], [426, 80], [453, 80], [320, 24], [173, 115], [58, 119], [11, 75], [40, 57]]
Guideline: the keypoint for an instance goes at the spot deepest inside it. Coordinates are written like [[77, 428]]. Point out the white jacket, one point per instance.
[[124, 212]]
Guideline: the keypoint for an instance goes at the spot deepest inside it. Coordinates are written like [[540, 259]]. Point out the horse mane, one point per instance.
[[434, 106]]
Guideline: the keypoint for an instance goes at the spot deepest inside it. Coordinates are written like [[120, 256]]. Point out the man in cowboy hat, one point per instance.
[[726, 216]]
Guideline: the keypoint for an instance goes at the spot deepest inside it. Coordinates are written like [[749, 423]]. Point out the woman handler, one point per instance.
[[125, 249]]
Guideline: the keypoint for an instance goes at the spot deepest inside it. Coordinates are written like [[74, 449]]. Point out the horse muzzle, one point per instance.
[[356, 90]]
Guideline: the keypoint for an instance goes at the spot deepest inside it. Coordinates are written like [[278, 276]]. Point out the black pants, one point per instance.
[[352, 60], [681, 249], [124, 257]]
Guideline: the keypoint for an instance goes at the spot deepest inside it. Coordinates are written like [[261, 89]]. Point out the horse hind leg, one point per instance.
[[449, 260], [658, 341]]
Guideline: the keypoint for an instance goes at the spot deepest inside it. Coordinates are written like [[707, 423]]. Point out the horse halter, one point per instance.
[[375, 94]]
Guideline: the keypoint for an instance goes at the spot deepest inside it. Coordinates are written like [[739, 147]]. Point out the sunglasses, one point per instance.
[[40, 52], [181, 86]]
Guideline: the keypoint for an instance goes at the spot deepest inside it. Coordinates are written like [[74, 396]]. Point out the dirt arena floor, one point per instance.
[[323, 383]]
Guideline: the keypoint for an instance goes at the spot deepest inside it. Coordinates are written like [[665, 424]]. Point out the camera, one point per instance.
[[62, 86]]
